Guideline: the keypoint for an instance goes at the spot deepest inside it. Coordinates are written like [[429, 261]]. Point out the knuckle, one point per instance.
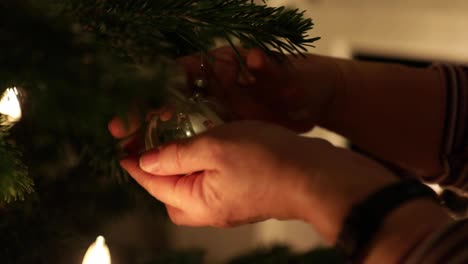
[[214, 147], [224, 219], [178, 150], [225, 53], [175, 220], [216, 152], [209, 141], [153, 190], [174, 217], [223, 225]]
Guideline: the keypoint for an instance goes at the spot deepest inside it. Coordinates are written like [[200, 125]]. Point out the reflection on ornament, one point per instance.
[[184, 117], [10, 106], [98, 253]]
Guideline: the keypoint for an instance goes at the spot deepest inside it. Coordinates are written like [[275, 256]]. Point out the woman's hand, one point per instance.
[[249, 171], [231, 175], [294, 94]]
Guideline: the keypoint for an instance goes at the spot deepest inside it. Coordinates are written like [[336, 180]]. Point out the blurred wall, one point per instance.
[[428, 29], [431, 30]]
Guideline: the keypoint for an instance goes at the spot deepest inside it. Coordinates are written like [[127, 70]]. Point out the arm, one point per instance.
[[413, 119], [394, 112], [247, 172], [416, 119]]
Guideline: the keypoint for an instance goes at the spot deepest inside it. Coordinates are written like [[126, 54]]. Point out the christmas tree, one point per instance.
[[72, 65]]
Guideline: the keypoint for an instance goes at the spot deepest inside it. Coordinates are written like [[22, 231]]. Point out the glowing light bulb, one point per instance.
[[98, 253], [10, 105]]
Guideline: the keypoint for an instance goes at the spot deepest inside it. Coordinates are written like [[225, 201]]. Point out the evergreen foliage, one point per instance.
[[83, 61], [79, 63]]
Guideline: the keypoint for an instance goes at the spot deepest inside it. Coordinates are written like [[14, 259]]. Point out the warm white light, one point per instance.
[[10, 105], [98, 253]]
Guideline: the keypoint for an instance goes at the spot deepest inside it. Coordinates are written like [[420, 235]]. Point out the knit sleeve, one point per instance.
[[455, 144]]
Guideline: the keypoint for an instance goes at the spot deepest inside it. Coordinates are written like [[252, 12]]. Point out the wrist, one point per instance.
[[339, 180], [407, 136], [325, 73], [315, 82]]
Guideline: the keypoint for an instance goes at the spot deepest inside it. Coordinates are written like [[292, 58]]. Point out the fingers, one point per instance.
[[132, 142], [179, 158], [229, 82], [256, 59], [174, 191], [123, 128], [162, 188], [119, 129], [222, 58], [226, 72], [122, 131], [264, 68]]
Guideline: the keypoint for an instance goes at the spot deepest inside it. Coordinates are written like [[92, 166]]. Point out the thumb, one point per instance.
[[162, 188], [178, 158]]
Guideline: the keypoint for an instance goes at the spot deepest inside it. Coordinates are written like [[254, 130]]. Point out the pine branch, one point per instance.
[[14, 181], [74, 87], [149, 29], [83, 62]]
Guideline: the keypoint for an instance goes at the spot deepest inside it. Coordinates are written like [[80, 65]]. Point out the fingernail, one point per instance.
[[149, 161]]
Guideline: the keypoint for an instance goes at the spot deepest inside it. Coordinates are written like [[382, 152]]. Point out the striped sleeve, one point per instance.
[[455, 143], [448, 246]]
